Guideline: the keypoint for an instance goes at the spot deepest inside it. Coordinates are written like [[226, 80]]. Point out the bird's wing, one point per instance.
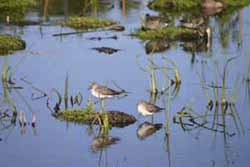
[[107, 91], [152, 108]]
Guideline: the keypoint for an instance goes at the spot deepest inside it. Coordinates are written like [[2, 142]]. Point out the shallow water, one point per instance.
[[47, 60]]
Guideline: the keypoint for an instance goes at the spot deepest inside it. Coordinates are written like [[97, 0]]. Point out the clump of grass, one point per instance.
[[185, 5], [10, 43], [88, 23], [169, 33], [176, 5], [106, 119]]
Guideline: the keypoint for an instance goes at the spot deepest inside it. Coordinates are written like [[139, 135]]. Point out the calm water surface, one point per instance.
[[48, 59]]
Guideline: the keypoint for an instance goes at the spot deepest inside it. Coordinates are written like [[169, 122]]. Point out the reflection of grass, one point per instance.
[[219, 92], [4, 79], [220, 103], [189, 120]]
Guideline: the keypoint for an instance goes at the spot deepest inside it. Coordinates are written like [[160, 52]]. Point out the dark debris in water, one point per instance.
[[102, 38], [106, 50]]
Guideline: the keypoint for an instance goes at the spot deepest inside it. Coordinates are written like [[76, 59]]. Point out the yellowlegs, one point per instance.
[[146, 108], [103, 92]]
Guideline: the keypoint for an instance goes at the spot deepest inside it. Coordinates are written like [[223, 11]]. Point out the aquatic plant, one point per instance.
[[88, 23], [168, 69], [10, 43]]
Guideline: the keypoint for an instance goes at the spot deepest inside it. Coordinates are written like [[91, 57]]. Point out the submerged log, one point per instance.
[[115, 118]]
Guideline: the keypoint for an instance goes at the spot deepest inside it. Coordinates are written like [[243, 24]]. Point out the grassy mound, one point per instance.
[[85, 116], [10, 43], [186, 5], [169, 33], [88, 23], [176, 5]]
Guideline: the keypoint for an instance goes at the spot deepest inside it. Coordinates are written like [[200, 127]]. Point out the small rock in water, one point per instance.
[[117, 28], [106, 50]]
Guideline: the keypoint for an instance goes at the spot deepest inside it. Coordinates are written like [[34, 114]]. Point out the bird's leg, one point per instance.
[[102, 105], [152, 119], [97, 117]]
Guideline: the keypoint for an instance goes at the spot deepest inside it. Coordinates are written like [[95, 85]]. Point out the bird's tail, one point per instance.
[[124, 92], [158, 126], [162, 108]]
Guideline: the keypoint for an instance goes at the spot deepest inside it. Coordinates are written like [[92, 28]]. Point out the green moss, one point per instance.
[[88, 23], [170, 33], [10, 43], [15, 9]]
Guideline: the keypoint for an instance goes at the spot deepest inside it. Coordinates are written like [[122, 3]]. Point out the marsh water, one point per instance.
[[47, 60]]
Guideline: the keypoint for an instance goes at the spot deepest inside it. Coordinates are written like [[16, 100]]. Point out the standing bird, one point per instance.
[[103, 92], [146, 108]]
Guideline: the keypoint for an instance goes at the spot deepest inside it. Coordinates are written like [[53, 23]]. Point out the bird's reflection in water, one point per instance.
[[103, 141], [147, 129]]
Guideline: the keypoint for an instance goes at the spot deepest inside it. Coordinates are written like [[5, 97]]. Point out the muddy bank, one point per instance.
[[115, 118]]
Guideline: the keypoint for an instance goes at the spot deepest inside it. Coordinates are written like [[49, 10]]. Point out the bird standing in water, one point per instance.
[[103, 92], [146, 108]]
